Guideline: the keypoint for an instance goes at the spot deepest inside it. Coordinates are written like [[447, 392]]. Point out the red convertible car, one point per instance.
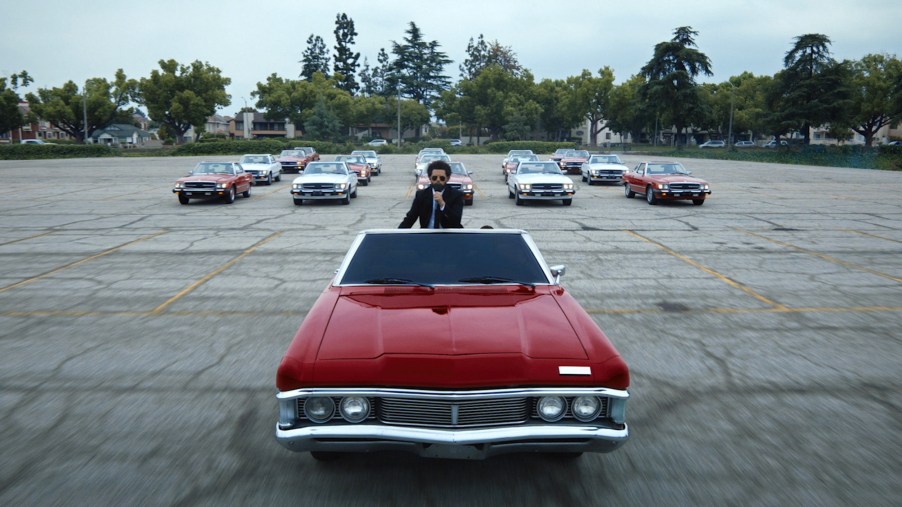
[[453, 343], [664, 181], [214, 179]]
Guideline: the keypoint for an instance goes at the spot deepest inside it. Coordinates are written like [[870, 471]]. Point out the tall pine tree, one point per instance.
[[315, 58], [345, 58]]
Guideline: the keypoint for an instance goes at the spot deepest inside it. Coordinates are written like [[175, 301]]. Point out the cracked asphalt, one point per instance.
[[139, 338]]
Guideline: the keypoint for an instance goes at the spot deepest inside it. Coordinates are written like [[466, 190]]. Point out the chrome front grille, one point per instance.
[[200, 184], [456, 186], [547, 186], [317, 186], [453, 414], [685, 186]]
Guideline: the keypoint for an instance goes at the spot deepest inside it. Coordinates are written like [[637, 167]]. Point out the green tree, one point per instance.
[[346, 60], [419, 67], [492, 100], [297, 99], [670, 78], [323, 123], [627, 112], [375, 80], [873, 103], [315, 58], [65, 107], [556, 119], [11, 116], [814, 87], [590, 97], [481, 54], [182, 96]]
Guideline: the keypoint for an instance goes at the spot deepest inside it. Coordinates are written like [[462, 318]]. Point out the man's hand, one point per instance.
[[438, 199]]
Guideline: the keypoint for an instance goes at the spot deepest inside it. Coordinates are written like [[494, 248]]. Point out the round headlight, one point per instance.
[[354, 408], [585, 408], [319, 409], [551, 408]]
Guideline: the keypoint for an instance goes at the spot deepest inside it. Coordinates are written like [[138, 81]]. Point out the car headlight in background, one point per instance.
[[220, 185], [568, 186], [662, 186], [178, 185], [296, 186], [354, 408], [340, 186], [551, 408], [585, 408], [422, 186], [468, 186], [706, 186], [319, 409], [523, 186]]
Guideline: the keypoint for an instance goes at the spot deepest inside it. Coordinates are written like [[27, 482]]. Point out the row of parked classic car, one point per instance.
[[335, 179], [529, 178]]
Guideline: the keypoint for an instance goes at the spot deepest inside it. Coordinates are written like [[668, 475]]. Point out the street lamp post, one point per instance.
[[84, 112], [399, 115], [730, 128]]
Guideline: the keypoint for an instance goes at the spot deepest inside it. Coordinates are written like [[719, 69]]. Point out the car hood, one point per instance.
[[218, 178], [676, 178], [573, 159], [609, 167], [542, 178], [321, 178], [465, 337]]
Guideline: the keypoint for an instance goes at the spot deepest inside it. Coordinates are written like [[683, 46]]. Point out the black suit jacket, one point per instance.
[[422, 208]]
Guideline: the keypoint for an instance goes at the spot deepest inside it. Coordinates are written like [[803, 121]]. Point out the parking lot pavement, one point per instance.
[[139, 338]]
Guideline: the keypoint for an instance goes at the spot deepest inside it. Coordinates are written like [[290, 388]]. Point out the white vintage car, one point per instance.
[[264, 168], [325, 180], [540, 181], [372, 158], [603, 168]]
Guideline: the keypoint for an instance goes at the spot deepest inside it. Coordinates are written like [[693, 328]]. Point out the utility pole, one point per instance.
[[399, 114], [84, 111]]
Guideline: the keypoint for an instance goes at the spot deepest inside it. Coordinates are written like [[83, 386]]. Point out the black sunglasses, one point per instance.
[[438, 178]]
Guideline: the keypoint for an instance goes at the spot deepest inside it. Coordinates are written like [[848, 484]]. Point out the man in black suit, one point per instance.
[[438, 206]]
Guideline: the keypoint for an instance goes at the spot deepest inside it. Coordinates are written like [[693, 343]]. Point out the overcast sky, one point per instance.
[[61, 40]]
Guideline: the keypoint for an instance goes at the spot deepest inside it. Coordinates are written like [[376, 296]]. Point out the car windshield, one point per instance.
[[578, 154], [253, 159], [212, 168], [666, 169], [290, 153], [443, 258], [561, 151], [351, 159], [538, 168], [368, 154], [325, 168], [458, 168], [604, 159]]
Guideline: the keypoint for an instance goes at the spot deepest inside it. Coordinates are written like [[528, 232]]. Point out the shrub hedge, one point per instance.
[[44, 151]]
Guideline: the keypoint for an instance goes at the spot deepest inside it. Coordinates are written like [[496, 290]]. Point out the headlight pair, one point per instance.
[[554, 408], [321, 409]]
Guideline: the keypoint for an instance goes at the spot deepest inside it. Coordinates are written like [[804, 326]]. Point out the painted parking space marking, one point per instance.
[[209, 276], [828, 258], [27, 238], [722, 278], [81, 261]]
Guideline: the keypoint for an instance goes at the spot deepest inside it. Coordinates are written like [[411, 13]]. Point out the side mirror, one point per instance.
[[558, 271]]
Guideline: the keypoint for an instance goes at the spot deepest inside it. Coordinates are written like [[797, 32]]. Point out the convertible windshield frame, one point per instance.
[[444, 257]]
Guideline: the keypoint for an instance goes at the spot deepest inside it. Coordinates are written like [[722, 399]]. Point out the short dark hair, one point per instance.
[[438, 164]]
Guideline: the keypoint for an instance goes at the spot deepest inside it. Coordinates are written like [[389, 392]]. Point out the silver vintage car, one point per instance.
[[325, 181], [540, 181]]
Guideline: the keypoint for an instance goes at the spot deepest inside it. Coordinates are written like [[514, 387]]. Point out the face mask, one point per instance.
[[438, 186]]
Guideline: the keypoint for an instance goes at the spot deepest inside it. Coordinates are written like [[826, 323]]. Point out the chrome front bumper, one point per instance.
[[459, 444]]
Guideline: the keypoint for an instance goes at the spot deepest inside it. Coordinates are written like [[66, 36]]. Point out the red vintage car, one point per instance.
[[664, 181], [293, 161], [460, 179], [572, 161], [457, 343], [359, 165], [511, 163], [214, 179]]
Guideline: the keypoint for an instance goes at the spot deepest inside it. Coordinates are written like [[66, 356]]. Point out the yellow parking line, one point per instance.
[[81, 261], [724, 279], [209, 276], [850, 265], [873, 235], [27, 238]]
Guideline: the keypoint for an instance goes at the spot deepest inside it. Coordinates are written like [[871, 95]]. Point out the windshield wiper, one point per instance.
[[395, 281], [494, 279]]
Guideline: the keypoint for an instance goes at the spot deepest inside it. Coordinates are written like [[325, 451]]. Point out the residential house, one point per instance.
[[251, 125], [121, 134]]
